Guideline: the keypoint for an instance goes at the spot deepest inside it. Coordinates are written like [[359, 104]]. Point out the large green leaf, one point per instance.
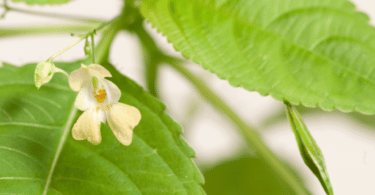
[[318, 53], [43, 2], [310, 151], [37, 149]]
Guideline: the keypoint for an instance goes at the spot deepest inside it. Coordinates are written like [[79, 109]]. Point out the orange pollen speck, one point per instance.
[[100, 96]]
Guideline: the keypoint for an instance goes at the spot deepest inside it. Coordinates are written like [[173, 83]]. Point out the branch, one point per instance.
[[44, 29], [51, 15]]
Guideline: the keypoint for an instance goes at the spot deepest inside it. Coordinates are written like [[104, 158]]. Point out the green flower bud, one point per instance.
[[43, 73], [87, 47]]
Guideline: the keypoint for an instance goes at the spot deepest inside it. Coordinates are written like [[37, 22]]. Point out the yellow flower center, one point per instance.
[[99, 91], [100, 95]]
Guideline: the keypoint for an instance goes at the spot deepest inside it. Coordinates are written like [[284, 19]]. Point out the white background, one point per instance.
[[348, 148]]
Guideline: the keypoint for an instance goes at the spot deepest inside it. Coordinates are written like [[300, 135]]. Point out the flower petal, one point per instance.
[[98, 71], [101, 115], [113, 92], [85, 98], [122, 119], [88, 127], [78, 77]]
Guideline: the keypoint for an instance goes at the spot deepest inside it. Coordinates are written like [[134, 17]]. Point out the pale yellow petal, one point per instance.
[[85, 98], [78, 77], [98, 71], [113, 92], [88, 127], [122, 119], [102, 116]]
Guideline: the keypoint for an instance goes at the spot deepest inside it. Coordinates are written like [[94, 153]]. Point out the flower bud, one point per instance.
[[43, 73], [87, 47]]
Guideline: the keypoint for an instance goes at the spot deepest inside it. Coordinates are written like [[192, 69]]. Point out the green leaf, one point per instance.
[[43, 2], [244, 176], [310, 151], [37, 149], [318, 53]]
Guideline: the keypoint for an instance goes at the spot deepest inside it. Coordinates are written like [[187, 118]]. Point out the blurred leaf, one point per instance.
[[43, 2], [310, 151], [244, 176], [318, 53], [36, 145]]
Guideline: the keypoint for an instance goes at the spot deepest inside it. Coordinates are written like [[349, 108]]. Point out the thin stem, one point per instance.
[[250, 133], [62, 71], [103, 47], [53, 28], [151, 57], [6, 7], [66, 48], [93, 48], [51, 15], [79, 40]]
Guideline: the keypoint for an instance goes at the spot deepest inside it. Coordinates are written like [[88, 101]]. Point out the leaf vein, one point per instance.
[[6, 114], [64, 135], [49, 116], [24, 154], [20, 178], [39, 97], [29, 125]]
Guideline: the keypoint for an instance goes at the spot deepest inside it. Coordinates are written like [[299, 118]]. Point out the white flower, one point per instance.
[[98, 98]]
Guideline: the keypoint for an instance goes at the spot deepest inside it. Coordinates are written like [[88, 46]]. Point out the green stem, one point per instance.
[[129, 19], [151, 56], [66, 48], [93, 48], [52, 15], [103, 47], [79, 40], [50, 29], [151, 77], [250, 133]]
